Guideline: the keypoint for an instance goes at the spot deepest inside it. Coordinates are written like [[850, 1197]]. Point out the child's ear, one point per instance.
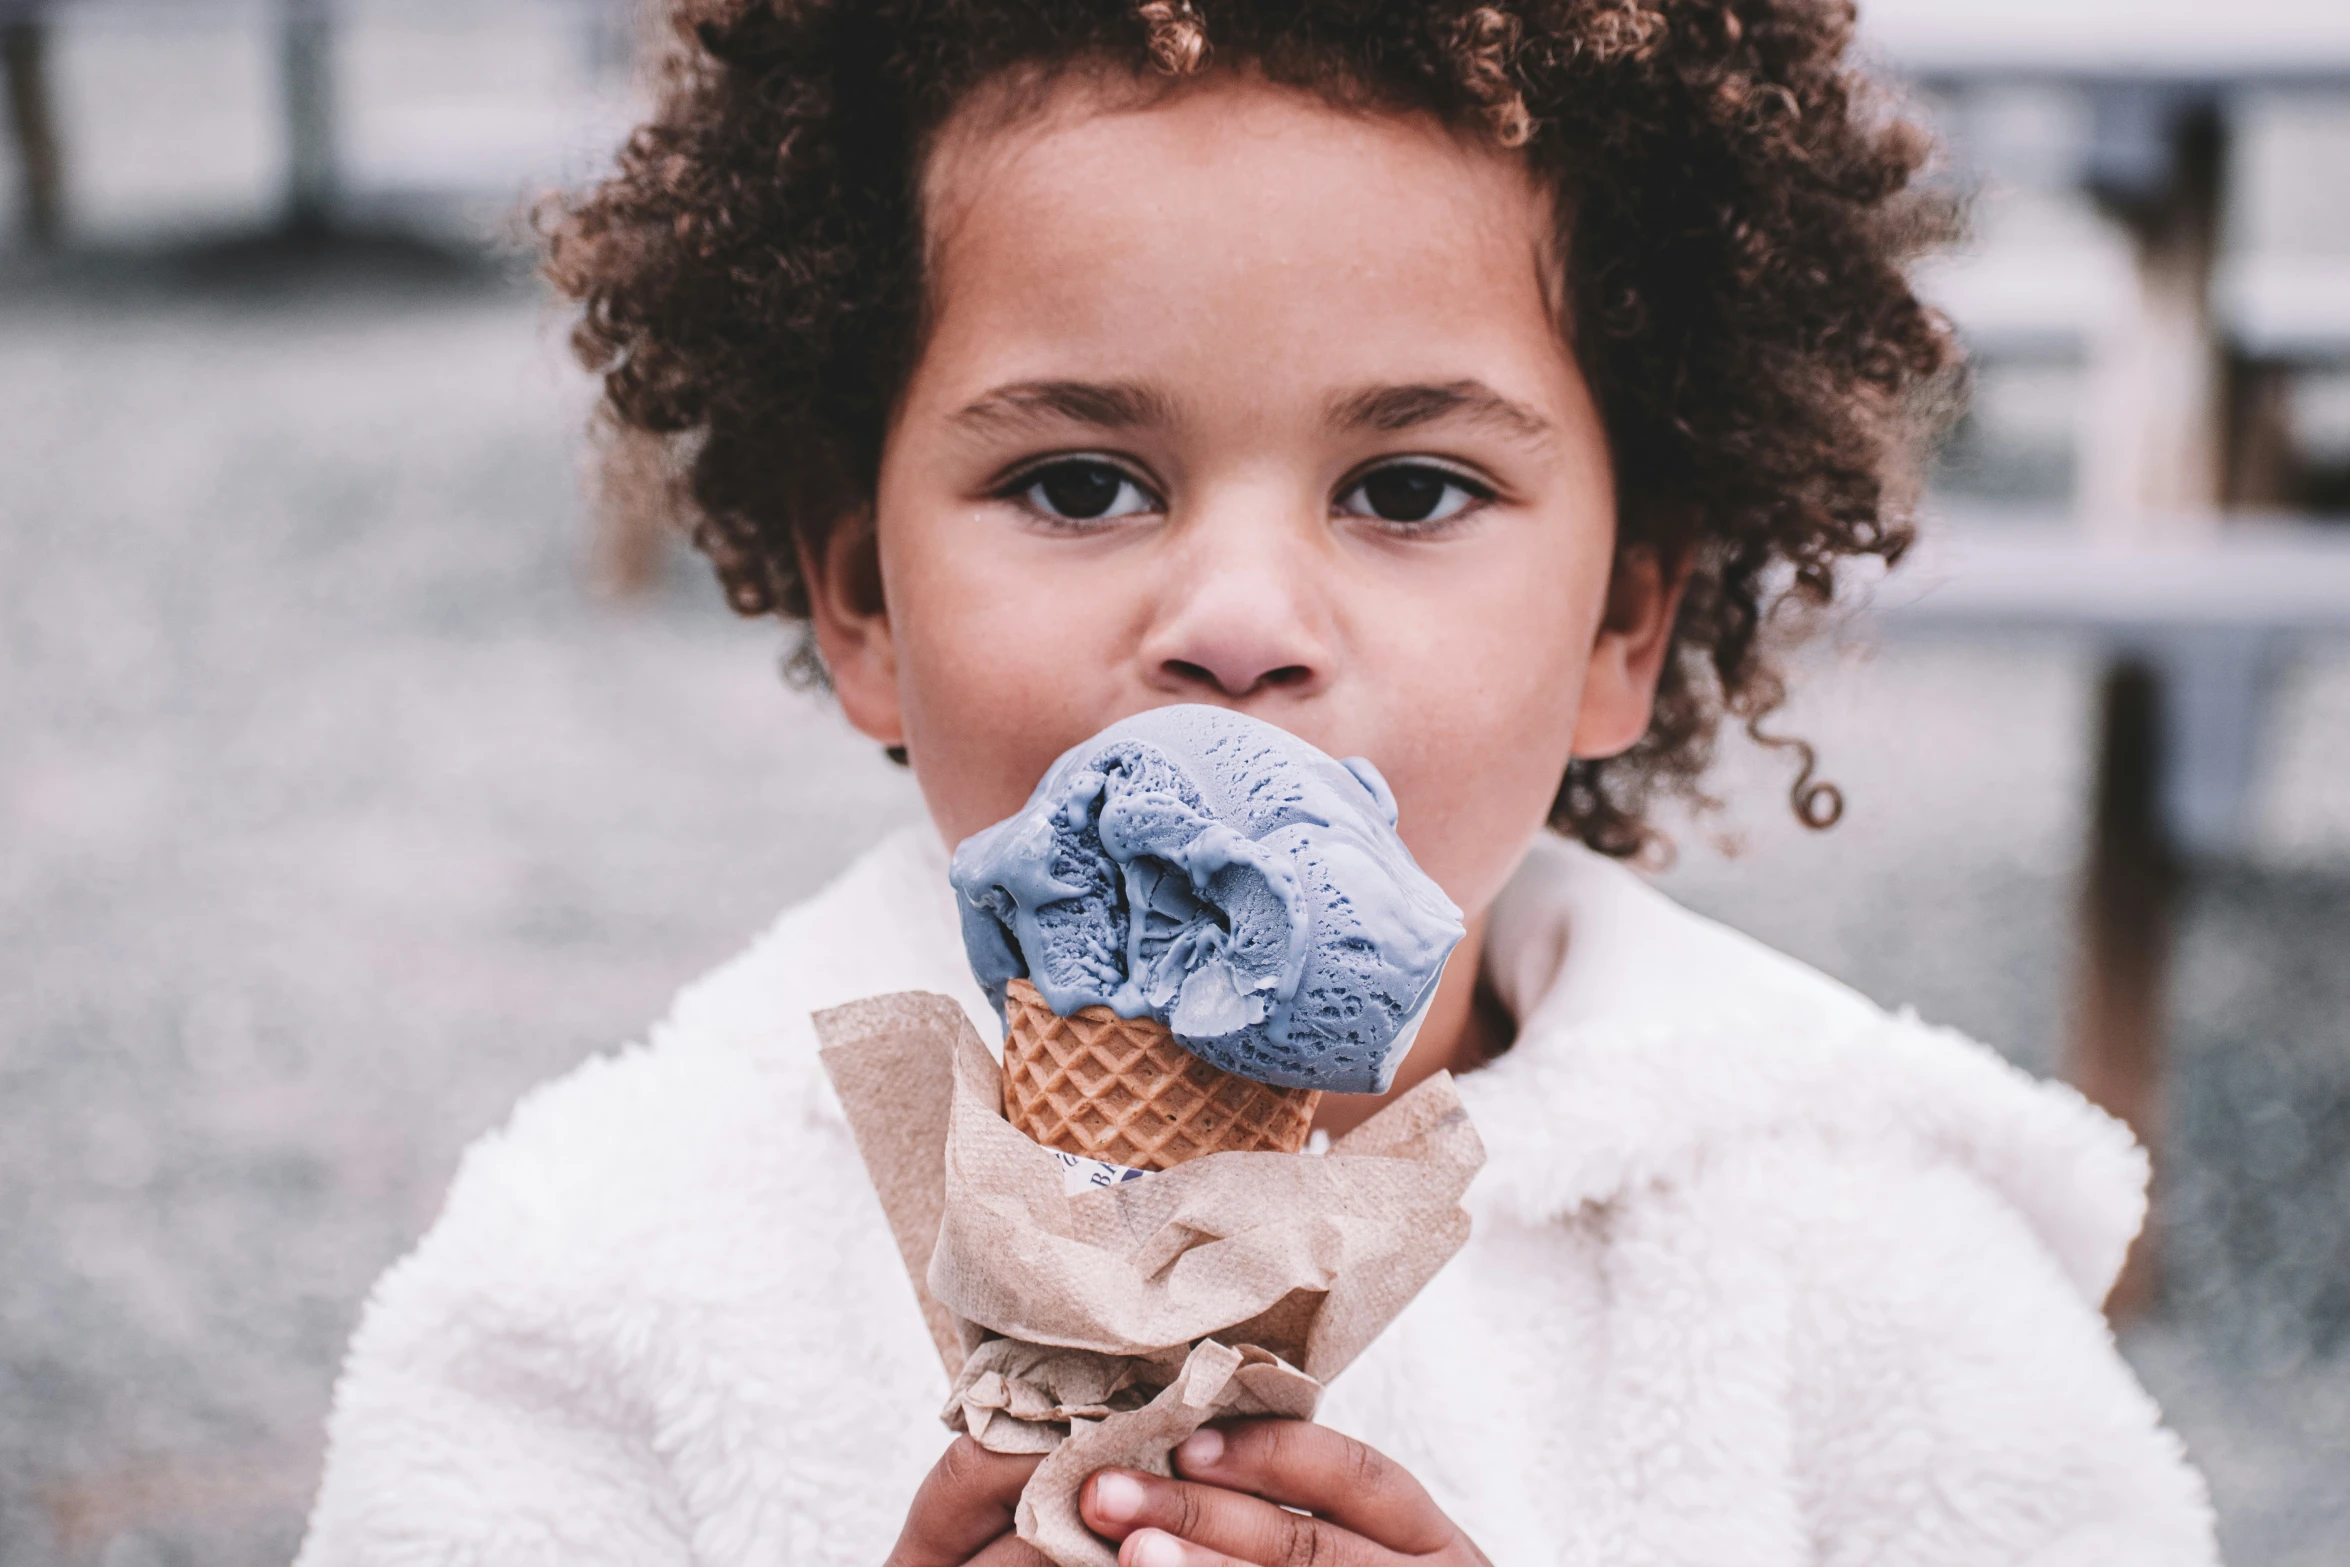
[[850, 617], [1619, 684]]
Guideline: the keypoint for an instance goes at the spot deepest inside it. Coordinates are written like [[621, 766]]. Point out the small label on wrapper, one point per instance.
[[1080, 1175]]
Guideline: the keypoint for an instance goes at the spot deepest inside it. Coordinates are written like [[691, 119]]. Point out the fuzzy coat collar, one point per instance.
[[1649, 1038]]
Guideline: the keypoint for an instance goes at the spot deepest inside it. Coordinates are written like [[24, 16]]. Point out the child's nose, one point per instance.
[[1236, 617]]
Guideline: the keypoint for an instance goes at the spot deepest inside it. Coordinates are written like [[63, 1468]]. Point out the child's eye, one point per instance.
[[1411, 493], [1083, 490]]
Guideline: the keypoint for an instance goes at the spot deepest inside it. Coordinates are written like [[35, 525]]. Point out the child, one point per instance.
[[1455, 385]]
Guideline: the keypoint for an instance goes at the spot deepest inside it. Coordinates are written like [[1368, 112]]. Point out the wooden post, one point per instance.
[[33, 122], [2115, 1053], [637, 493], [639, 490], [2154, 467]]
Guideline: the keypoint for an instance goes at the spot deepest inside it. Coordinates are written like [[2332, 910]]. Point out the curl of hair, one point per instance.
[[1178, 40], [1737, 212]]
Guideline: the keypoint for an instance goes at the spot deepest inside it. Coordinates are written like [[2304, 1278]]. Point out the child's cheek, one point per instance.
[[1477, 706], [1000, 671]]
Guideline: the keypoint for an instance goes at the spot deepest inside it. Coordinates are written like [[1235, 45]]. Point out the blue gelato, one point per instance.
[[1204, 868]]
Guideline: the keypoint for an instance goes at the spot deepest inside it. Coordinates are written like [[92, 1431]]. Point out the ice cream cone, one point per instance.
[[1122, 1090]]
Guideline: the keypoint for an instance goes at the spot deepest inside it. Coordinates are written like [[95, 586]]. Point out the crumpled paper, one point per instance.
[[1103, 1328]]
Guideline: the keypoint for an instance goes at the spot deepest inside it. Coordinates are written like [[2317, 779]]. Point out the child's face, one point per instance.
[[1234, 397]]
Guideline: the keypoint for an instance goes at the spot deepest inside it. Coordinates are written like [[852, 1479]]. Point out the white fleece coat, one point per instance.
[[1760, 1275]]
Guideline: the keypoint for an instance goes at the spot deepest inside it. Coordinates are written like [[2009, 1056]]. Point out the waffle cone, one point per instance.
[[1123, 1090]]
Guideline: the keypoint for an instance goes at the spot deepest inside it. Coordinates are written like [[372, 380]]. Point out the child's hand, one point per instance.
[[1231, 1507], [963, 1513]]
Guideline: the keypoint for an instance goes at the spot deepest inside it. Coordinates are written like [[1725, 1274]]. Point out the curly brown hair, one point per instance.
[[1738, 205]]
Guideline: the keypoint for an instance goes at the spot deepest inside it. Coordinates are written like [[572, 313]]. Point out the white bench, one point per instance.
[[2209, 616], [370, 139], [2192, 607]]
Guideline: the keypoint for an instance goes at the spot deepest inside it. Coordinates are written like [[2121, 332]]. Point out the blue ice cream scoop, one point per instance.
[[1204, 868]]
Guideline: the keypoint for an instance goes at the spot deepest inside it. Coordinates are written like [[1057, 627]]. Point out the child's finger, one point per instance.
[[1300, 1464], [1010, 1551], [1156, 1548], [964, 1506], [1215, 1524]]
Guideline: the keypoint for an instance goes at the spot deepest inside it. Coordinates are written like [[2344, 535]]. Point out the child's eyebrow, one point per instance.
[[1125, 405], [1388, 409], [1113, 405]]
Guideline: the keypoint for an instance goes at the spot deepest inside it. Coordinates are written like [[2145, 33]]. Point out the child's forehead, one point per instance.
[[1058, 142], [1249, 254], [1132, 126]]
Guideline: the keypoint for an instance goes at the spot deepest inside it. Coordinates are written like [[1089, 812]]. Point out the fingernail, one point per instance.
[[1202, 1448], [1117, 1497], [1153, 1549]]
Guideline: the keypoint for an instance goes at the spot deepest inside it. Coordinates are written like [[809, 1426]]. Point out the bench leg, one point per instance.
[[306, 66], [33, 122]]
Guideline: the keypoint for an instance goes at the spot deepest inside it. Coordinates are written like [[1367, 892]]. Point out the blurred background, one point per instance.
[[356, 772]]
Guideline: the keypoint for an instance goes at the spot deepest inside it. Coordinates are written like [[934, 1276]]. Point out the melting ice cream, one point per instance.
[[1221, 875]]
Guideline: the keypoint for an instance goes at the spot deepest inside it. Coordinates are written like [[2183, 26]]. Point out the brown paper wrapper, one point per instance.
[[1104, 1328]]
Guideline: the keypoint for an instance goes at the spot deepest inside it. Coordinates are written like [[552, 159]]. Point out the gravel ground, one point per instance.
[[335, 810]]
